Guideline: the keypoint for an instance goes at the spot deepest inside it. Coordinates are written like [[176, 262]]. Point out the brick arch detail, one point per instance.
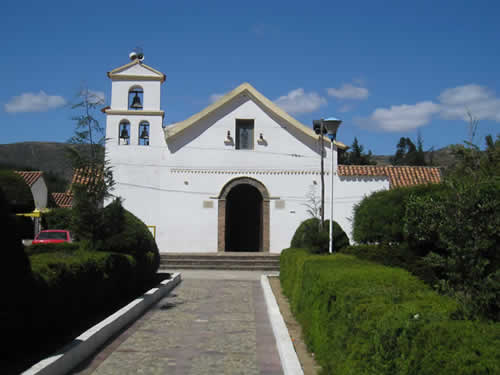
[[221, 219]]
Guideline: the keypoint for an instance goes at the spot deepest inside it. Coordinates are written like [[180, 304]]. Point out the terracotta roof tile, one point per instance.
[[84, 176], [63, 199], [30, 177], [398, 175]]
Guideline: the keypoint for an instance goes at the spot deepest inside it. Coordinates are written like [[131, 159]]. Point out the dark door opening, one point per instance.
[[243, 219]]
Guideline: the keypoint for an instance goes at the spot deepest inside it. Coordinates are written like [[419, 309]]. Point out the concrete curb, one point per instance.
[[88, 342], [289, 360]]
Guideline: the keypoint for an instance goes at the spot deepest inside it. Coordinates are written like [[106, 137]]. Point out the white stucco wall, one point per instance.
[[40, 193], [166, 184]]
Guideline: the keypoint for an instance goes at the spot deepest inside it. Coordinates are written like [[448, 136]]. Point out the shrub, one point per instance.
[[308, 236], [57, 218], [379, 217], [125, 233], [25, 226], [381, 320], [51, 248], [394, 256], [16, 192], [462, 229]]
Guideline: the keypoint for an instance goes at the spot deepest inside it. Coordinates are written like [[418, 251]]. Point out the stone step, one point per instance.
[[176, 262], [236, 267], [225, 261]]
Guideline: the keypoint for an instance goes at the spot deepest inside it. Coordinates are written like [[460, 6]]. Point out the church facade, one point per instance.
[[237, 176]]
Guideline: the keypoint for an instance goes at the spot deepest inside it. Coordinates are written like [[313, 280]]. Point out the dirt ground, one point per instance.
[[306, 358]]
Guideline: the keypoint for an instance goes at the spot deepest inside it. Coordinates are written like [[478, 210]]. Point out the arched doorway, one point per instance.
[[243, 217]]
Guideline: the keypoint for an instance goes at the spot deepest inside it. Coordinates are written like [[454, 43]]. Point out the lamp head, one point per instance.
[[331, 125]]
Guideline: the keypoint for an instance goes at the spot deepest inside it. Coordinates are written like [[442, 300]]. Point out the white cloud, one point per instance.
[[348, 91], [298, 101], [403, 117], [345, 108], [215, 97], [478, 100], [32, 102]]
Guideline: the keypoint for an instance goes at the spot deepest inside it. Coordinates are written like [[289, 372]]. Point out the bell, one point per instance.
[[144, 133], [136, 103], [124, 133]]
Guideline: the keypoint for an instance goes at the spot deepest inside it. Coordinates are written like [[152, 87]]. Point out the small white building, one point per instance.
[[233, 177]]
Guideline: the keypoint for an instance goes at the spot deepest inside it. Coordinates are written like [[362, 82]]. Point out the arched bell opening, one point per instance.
[[135, 98], [243, 217]]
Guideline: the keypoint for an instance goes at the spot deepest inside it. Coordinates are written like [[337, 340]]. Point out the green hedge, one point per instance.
[[68, 292], [362, 318], [63, 247], [396, 255], [379, 217], [308, 236], [17, 192]]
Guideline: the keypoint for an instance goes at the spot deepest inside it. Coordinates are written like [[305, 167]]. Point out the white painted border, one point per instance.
[[289, 360], [88, 342]]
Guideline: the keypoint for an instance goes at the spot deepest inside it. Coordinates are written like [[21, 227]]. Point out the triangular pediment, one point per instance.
[[136, 70], [176, 129]]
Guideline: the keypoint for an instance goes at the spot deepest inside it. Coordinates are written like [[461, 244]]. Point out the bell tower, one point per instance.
[[134, 119]]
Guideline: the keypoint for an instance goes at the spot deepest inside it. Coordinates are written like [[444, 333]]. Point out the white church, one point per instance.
[[233, 177]]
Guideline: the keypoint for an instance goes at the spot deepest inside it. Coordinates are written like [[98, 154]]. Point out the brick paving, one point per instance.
[[212, 323]]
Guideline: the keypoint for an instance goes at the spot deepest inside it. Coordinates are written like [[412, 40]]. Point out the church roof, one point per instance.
[[178, 128], [120, 73], [30, 177], [399, 176]]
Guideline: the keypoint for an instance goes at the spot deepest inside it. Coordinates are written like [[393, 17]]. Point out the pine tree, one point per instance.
[[356, 156]]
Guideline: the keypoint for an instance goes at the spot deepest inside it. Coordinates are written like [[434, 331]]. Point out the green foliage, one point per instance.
[[308, 236], [395, 255], [88, 197], [17, 192], [87, 215], [378, 217], [356, 155], [409, 154], [63, 247], [57, 218], [125, 233], [462, 229], [381, 320], [16, 265], [25, 226]]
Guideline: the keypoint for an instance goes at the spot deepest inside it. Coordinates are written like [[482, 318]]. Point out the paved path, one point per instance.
[[214, 322]]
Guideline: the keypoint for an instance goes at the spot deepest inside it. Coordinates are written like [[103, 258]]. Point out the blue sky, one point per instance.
[[387, 68]]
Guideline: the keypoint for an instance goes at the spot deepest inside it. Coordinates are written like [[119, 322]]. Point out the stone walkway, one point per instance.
[[214, 322]]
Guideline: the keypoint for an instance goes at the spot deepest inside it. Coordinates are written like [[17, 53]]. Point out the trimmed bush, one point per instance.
[[52, 248], [379, 217], [16, 192], [362, 318], [308, 236], [125, 233], [394, 256]]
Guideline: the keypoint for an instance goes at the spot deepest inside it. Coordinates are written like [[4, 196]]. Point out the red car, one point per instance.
[[52, 236]]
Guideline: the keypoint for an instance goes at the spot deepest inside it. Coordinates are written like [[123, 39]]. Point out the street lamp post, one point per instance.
[[320, 129], [330, 126]]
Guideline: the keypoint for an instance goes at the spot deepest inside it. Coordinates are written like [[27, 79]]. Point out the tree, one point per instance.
[[409, 154], [356, 156], [95, 178]]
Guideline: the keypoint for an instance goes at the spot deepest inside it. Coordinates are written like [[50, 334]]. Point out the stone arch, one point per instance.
[[221, 220]]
